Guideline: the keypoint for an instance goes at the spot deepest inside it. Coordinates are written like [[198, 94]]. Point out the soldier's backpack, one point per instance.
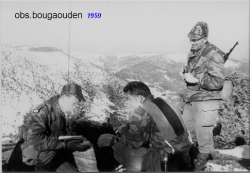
[[227, 90]]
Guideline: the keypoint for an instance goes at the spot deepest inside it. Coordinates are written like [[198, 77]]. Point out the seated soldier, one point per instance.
[[53, 118], [156, 130]]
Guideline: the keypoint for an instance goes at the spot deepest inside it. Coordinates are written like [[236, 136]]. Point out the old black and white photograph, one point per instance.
[[125, 86]]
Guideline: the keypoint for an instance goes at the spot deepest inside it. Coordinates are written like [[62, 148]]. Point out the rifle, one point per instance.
[[68, 138], [226, 56]]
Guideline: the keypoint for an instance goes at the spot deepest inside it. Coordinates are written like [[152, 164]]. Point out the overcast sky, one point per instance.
[[127, 27]]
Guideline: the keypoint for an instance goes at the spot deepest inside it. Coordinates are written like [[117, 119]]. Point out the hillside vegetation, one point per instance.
[[234, 115], [33, 75]]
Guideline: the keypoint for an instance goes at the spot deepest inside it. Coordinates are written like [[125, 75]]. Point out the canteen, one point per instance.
[[227, 90]]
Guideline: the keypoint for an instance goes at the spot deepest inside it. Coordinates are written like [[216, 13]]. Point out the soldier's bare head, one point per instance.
[[136, 92]]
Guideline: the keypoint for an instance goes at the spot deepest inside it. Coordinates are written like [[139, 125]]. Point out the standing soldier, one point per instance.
[[48, 121], [204, 76]]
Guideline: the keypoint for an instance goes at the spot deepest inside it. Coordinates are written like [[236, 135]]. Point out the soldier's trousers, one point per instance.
[[199, 118]]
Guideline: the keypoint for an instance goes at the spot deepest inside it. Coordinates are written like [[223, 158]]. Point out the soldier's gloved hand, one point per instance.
[[77, 145]]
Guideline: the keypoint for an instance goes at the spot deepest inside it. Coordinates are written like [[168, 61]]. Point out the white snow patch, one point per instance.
[[131, 80], [4, 139], [168, 92], [99, 107], [147, 83], [177, 57], [155, 92], [59, 60], [23, 47], [174, 97], [163, 71], [242, 151], [137, 54], [167, 77], [216, 167], [92, 58], [230, 63], [116, 69]]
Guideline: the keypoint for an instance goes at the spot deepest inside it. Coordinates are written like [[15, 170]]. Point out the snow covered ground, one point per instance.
[[30, 77]]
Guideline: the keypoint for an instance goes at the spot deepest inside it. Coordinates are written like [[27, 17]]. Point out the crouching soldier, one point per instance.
[[155, 131], [48, 121]]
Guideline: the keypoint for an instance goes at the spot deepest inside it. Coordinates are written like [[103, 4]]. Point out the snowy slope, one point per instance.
[[87, 57], [29, 77]]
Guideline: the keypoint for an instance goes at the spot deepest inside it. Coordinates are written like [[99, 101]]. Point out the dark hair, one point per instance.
[[137, 88]]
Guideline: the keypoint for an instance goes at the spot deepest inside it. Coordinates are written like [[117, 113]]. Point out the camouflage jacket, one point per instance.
[[207, 65], [43, 128], [143, 131]]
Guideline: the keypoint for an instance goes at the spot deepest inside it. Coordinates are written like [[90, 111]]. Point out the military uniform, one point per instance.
[[42, 130], [153, 133], [207, 65], [202, 98]]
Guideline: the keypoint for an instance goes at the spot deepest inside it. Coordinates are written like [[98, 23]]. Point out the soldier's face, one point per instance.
[[196, 44], [134, 101], [69, 103]]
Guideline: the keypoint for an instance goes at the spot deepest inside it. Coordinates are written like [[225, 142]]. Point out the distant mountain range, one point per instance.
[[160, 71]]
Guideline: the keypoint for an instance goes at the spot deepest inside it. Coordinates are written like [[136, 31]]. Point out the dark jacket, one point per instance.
[[43, 128]]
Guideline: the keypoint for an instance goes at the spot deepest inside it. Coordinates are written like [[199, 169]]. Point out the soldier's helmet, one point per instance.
[[200, 30], [73, 89]]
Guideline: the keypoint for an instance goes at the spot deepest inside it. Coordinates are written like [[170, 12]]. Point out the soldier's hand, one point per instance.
[[77, 145], [188, 77], [87, 143], [182, 72]]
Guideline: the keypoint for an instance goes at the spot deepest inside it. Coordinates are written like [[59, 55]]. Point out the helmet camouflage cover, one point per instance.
[[200, 30]]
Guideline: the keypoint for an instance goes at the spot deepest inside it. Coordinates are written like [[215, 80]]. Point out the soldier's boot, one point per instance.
[[201, 161], [191, 156], [187, 161], [194, 151], [186, 158]]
